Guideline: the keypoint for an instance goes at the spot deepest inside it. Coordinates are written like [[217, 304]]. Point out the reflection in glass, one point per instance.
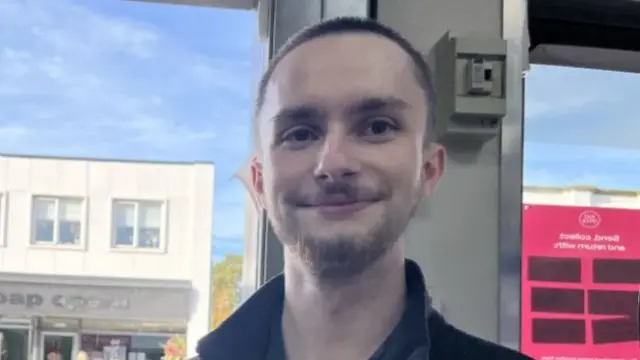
[[44, 214], [123, 347], [15, 344], [581, 152], [69, 222], [57, 347], [124, 223], [149, 222]]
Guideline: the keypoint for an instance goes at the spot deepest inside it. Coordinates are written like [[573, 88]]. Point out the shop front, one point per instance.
[[69, 320]]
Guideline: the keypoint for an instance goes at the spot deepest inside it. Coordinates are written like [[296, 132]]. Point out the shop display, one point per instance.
[[580, 283]]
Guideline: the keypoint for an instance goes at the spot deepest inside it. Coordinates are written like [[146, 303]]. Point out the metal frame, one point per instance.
[[511, 161], [75, 336], [514, 17]]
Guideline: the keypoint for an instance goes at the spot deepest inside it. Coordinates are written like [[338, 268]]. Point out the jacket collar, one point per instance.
[[245, 334]]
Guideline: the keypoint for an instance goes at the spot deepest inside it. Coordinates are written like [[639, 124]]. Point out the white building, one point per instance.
[[94, 252], [581, 196]]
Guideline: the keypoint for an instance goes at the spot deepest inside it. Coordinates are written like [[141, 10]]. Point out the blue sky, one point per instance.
[[122, 79], [581, 127]]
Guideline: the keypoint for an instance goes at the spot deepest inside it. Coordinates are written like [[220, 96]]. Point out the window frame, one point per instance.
[[162, 248], [55, 243]]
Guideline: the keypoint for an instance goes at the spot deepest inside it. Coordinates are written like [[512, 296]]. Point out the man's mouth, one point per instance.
[[338, 206]]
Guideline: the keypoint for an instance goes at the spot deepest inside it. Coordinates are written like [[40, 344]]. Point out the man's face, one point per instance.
[[342, 163]]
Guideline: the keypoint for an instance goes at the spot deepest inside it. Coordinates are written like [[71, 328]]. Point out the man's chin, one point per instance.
[[336, 254]]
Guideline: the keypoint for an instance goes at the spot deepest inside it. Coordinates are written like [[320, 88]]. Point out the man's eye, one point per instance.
[[379, 127], [299, 135]]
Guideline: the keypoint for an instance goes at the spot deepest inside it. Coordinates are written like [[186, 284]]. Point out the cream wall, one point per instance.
[[186, 188]]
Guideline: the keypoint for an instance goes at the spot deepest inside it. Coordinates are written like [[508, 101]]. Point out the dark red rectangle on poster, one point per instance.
[[616, 271], [590, 251], [612, 302], [614, 331], [550, 300], [554, 269], [557, 331]]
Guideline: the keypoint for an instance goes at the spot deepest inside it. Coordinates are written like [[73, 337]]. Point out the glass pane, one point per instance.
[[15, 344], [137, 87], [149, 238], [150, 215], [125, 214], [124, 236], [70, 209], [69, 232], [149, 346], [44, 231], [44, 209], [580, 254], [123, 347], [57, 347], [150, 222]]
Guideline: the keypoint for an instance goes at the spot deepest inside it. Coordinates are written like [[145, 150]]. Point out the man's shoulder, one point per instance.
[[449, 342]]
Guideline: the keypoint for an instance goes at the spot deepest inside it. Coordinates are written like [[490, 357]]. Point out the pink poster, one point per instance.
[[580, 283]]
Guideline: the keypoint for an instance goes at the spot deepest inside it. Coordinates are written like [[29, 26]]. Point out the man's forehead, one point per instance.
[[337, 49], [351, 64]]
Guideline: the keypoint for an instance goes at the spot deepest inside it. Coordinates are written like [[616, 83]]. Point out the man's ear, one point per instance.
[[250, 174], [433, 167], [257, 181]]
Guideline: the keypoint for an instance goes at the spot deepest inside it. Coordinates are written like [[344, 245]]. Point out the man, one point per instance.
[[345, 152]]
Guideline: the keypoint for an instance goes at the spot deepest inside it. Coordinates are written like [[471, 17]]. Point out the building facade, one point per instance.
[[103, 258], [581, 196]]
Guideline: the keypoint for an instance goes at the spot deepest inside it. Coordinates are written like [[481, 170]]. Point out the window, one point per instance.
[[138, 224], [57, 221], [159, 96], [580, 254]]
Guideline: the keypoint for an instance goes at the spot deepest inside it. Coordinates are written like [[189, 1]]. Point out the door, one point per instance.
[[58, 345]]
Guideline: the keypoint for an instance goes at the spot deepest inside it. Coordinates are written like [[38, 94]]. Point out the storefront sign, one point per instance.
[[50, 299], [18, 299], [580, 283], [71, 302]]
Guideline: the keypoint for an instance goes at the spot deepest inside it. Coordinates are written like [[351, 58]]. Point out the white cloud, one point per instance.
[[97, 75], [580, 128]]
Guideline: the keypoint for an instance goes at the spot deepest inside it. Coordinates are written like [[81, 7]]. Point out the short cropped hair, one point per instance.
[[345, 25]]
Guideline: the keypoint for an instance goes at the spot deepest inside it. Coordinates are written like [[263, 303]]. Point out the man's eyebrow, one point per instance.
[[373, 104], [297, 113]]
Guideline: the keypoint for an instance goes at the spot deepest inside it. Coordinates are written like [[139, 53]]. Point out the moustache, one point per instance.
[[335, 194]]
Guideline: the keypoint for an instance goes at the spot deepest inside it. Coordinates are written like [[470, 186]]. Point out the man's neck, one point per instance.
[[342, 321]]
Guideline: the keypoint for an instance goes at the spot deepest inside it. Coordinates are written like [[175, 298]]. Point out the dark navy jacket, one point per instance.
[[246, 334]]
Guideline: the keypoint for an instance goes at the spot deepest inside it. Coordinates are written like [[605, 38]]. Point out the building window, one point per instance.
[[57, 221], [138, 224]]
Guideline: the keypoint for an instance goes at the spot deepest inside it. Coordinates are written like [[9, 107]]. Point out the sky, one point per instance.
[[140, 81], [581, 128]]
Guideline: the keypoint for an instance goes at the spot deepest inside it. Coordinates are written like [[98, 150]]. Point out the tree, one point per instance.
[[225, 285]]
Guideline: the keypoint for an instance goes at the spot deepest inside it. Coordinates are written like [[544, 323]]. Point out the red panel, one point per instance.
[[572, 254]]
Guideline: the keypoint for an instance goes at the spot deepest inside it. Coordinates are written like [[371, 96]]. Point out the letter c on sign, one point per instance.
[[58, 301]]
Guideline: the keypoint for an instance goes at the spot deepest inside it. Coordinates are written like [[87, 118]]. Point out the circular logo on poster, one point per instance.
[[589, 219]]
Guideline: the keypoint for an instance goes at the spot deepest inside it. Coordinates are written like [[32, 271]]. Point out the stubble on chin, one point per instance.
[[340, 257]]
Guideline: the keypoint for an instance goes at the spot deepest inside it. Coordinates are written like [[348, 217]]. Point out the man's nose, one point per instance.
[[335, 161]]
